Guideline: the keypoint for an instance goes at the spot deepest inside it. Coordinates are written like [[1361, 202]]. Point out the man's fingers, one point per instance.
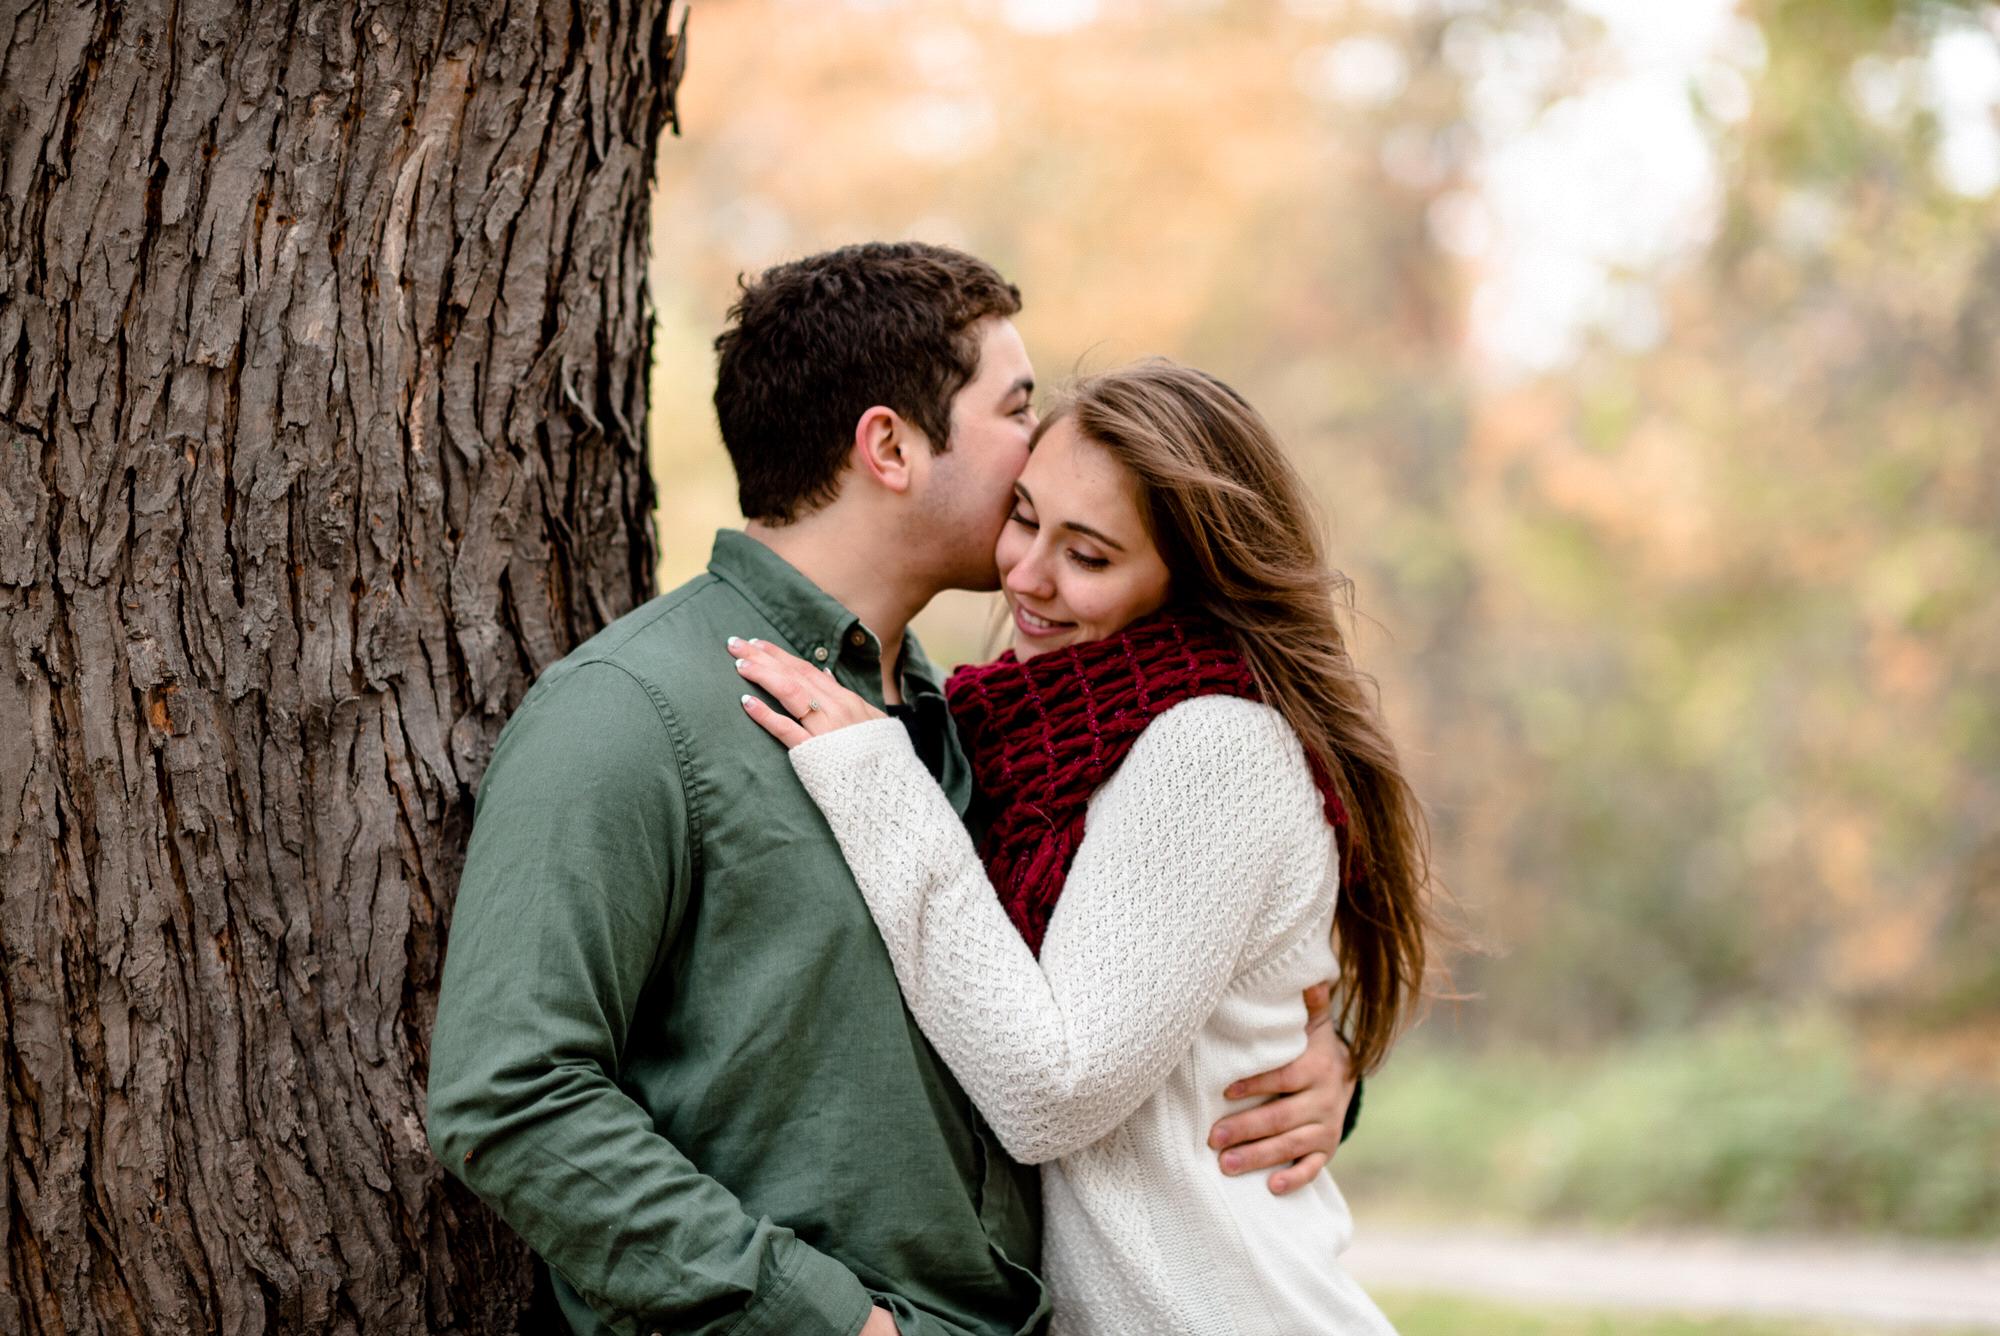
[[1294, 1076], [1319, 1003], [1272, 1150], [1255, 1124], [1296, 1176], [779, 726]]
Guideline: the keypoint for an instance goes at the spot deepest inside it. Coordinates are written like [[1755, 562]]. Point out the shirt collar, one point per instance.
[[821, 629], [818, 626]]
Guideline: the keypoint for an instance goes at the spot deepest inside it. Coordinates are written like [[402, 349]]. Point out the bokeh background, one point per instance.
[[1646, 357]]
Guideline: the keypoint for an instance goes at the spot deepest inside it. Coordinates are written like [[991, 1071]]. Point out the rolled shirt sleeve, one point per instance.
[[578, 870]]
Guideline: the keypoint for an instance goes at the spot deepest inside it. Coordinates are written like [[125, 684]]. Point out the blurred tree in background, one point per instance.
[[1643, 355], [323, 365], [1740, 591]]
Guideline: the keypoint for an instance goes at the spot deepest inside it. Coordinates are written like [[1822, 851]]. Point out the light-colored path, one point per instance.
[[1893, 1284]]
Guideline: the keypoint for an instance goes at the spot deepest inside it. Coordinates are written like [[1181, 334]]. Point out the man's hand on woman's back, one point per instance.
[[1299, 1126]]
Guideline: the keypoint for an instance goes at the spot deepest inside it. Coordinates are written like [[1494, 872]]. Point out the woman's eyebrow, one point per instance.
[[1072, 525], [1089, 532]]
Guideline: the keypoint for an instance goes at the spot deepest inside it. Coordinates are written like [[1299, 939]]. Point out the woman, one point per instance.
[[1192, 812]]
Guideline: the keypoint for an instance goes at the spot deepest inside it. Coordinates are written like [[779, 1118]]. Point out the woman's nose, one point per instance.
[[1028, 576]]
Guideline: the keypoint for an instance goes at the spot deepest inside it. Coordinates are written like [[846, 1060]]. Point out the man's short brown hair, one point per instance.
[[813, 344]]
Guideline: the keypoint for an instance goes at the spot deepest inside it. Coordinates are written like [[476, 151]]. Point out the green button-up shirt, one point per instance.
[[670, 1050]]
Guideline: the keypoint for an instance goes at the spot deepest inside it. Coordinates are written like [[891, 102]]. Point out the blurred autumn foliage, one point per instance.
[[1683, 586]]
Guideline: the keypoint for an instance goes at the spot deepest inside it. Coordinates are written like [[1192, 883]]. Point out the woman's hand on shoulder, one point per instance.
[[813, 702]]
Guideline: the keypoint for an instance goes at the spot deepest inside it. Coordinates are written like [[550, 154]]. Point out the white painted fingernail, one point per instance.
[[755, 641], [743, 665], [733, 641], [748, 701]]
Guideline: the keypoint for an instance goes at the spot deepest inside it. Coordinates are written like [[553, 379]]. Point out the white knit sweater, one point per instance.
[[1197, 910]]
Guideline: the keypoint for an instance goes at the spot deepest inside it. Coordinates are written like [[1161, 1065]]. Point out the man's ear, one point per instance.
[[885, 448]]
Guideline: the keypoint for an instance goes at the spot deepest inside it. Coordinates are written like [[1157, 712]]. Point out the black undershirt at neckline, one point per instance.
[[928, 741]]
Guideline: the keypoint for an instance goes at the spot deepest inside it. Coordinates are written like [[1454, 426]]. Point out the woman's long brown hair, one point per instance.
[[1236, 525]]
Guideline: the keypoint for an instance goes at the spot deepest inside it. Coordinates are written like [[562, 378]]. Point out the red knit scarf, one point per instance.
[[1044, 734]]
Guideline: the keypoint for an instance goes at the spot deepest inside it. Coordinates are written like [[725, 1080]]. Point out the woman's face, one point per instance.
[[1076, 562]]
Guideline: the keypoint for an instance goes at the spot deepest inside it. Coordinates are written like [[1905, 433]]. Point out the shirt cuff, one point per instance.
[[820, 1298]]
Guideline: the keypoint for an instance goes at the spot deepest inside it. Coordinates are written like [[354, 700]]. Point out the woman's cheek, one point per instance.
[[1007, 552], [1079, 601], [1115, 602]]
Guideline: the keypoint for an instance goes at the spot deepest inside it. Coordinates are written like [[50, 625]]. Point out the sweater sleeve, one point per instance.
[[1184, 852]]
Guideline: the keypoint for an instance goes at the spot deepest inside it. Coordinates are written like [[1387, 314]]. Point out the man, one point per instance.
[[670, 1050]]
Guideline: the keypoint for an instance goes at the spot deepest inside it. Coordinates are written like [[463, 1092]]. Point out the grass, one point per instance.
[[1429, 1315], [1752, 1127]]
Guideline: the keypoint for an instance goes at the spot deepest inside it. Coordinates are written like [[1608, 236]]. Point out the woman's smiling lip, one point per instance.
[[1039, 626]]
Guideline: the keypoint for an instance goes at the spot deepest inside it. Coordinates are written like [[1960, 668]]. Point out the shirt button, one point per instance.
[[857, 638], [820, 653]]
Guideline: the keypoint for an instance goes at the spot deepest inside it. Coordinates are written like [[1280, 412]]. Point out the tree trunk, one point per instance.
[[323, 352]]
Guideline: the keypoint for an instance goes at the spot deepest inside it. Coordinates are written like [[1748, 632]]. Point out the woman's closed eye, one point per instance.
[[1087, 562], [1020, 519]]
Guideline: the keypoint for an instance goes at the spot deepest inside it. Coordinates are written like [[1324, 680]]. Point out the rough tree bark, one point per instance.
[[323, 351]]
